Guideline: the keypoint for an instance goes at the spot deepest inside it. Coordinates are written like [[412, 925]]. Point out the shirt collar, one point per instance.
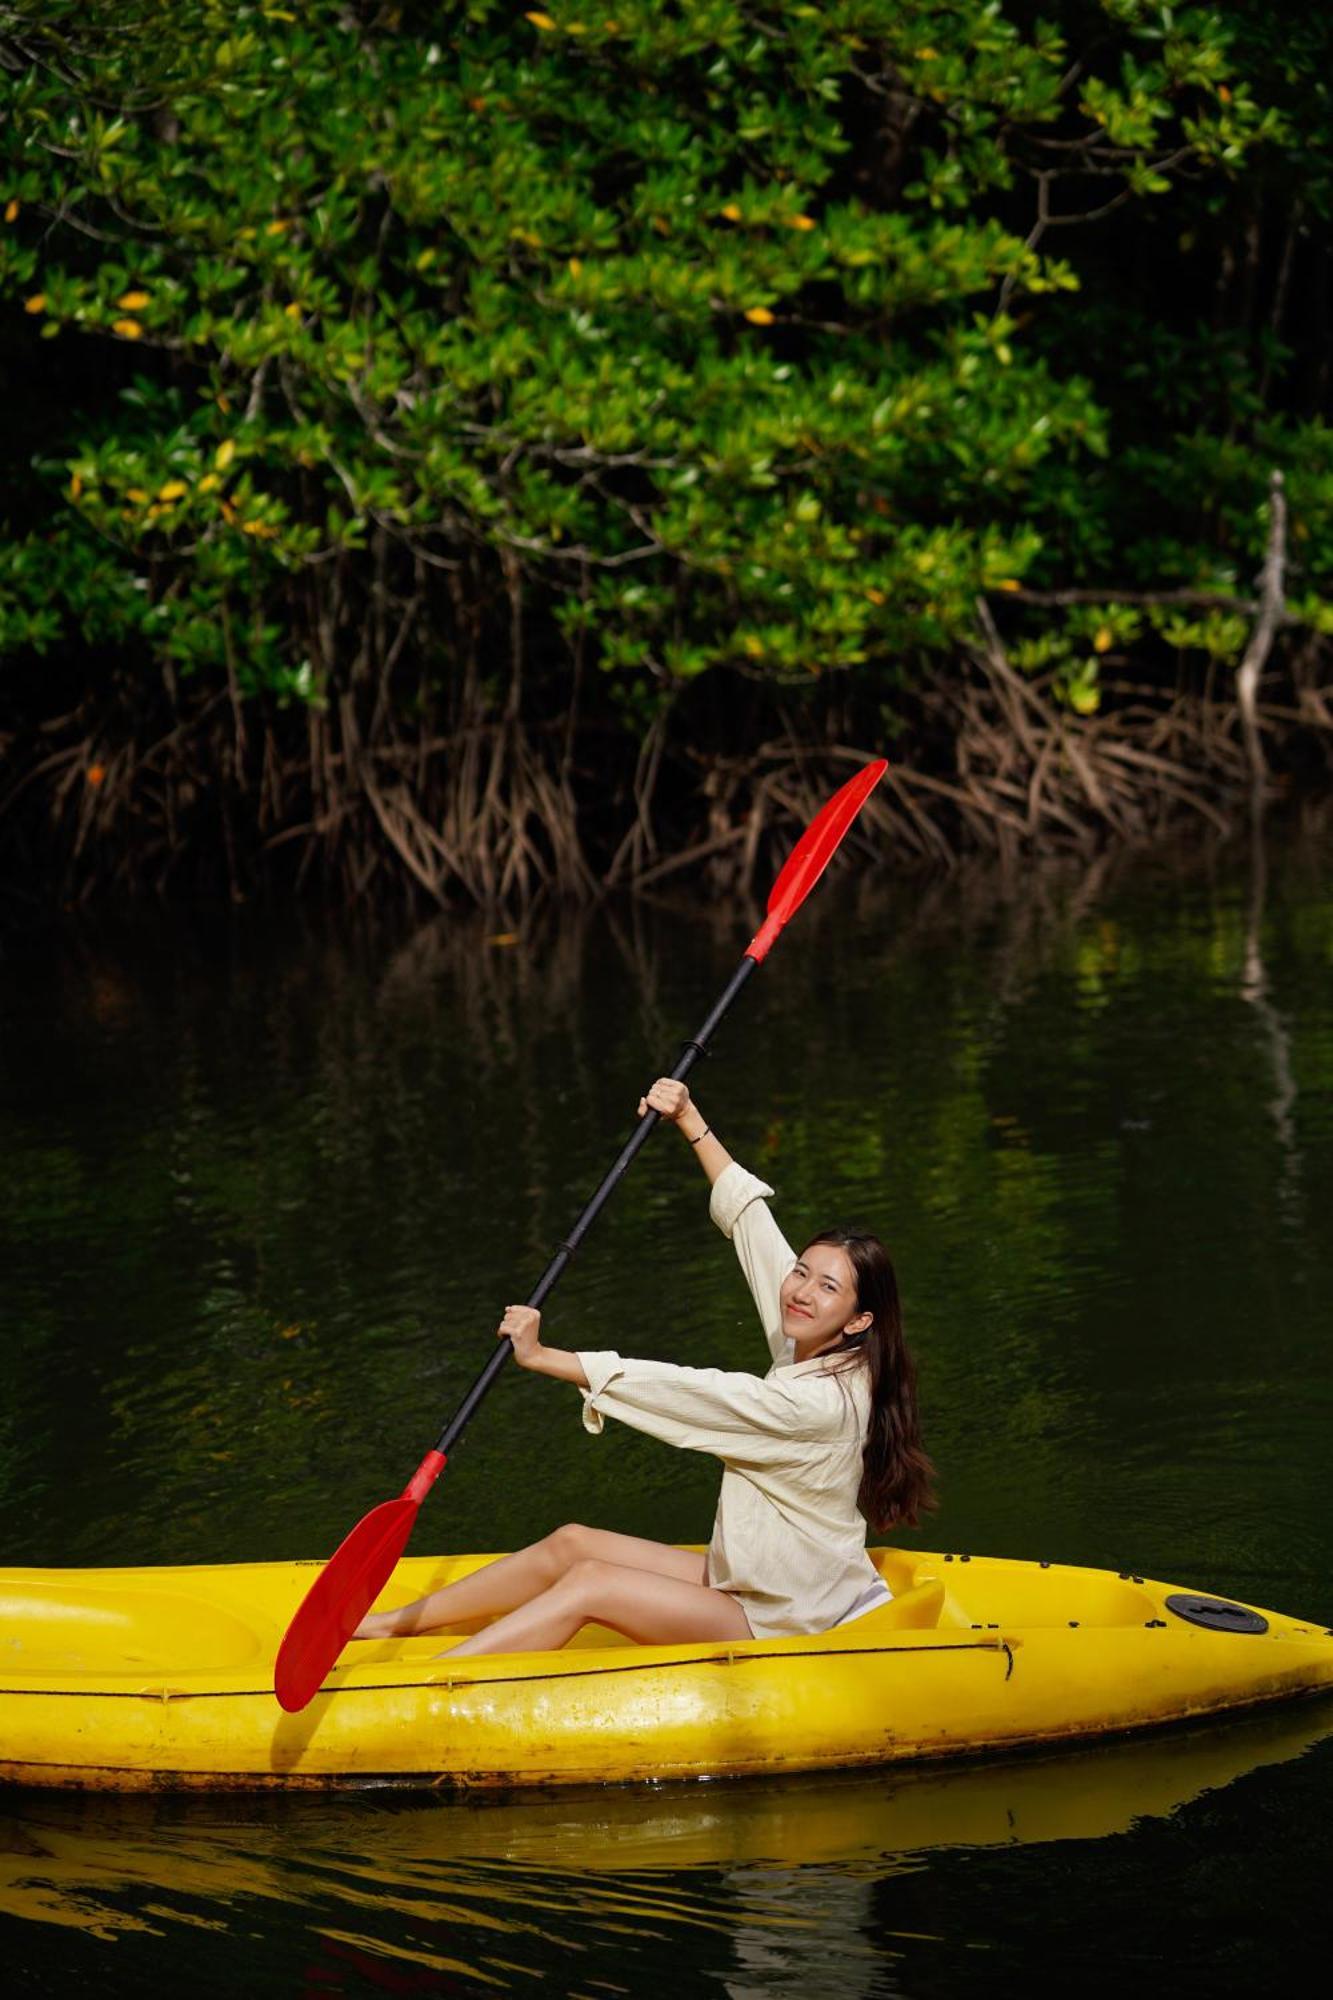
[[818, 1364]]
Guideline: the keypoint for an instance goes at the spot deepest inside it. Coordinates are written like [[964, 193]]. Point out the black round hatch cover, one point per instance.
[[1215, 1613]]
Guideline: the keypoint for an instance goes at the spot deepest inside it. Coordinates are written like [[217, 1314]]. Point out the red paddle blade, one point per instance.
[[345, 1589], [812, 854]]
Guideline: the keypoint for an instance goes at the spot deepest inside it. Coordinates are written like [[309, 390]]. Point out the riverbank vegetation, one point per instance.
[[489, 452]]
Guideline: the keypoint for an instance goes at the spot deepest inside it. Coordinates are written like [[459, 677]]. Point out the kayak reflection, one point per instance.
[[446, 1881]]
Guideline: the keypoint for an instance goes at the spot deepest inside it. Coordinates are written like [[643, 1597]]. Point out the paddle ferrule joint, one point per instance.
[[425, 1476], [764, 938]]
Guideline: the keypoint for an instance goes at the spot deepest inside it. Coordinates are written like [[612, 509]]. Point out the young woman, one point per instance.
[[825, 1442]]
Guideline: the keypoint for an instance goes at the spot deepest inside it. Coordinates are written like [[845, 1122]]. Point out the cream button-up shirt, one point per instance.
[[788, 1541]]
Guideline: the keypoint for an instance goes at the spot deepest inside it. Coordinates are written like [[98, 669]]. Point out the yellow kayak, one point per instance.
[[138, 1678]]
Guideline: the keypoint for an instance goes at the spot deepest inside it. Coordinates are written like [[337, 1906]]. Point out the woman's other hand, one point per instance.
[[522, 1325], [669, 1099]]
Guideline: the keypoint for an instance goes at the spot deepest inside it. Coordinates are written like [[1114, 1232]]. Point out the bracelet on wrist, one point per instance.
[[702, 1136]]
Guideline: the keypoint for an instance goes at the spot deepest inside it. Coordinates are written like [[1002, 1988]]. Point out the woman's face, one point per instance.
[[819, 1300]]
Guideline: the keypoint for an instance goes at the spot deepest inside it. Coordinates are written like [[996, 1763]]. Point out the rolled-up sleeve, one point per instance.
[[600, 1369], [733, 1191], [736, 1417], [739, 1207]]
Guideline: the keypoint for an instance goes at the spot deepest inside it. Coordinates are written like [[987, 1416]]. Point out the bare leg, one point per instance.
[[649, 1608], [517, 1579]]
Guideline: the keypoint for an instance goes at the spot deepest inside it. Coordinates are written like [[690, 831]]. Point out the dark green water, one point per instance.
[[263, 1190]]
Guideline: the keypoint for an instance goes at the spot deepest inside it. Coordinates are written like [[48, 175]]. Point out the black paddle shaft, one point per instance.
[[555, 1270]]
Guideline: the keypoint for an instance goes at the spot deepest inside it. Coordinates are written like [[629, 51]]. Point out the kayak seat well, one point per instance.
[[917, 1609], [49, 1627]]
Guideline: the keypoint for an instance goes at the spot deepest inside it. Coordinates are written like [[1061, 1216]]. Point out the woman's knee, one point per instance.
[[588, 1581], [568, 1545]]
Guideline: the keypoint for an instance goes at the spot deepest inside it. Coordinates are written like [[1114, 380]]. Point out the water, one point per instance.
[[265, 1186]]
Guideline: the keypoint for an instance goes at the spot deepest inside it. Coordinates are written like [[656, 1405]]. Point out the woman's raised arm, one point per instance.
[[739, 1210], [673, 1103]]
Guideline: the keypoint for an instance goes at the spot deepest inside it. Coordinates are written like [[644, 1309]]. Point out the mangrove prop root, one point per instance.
[[493, 812]]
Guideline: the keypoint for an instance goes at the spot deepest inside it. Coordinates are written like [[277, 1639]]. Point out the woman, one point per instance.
[[827, 1440]]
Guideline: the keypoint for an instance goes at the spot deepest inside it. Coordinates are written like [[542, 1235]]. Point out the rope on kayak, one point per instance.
[[728, 1659], [450, 1684]]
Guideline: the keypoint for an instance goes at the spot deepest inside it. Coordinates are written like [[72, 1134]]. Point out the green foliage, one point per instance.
[[740, 338]]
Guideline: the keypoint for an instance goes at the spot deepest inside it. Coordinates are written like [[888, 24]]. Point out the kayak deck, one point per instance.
[[161, 1677]]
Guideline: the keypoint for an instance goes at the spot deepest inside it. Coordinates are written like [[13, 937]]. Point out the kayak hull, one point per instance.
[[162, 1678]]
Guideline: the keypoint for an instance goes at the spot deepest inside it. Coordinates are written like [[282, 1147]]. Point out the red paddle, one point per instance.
[[355, 1574]]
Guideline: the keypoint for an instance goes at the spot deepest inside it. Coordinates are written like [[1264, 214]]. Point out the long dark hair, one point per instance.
[[897, 1478]]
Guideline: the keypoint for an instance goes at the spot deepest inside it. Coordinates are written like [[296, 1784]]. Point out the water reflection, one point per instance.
[[1256, 991]]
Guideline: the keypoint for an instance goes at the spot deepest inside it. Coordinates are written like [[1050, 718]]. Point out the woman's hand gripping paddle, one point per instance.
[[358, 1570]]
